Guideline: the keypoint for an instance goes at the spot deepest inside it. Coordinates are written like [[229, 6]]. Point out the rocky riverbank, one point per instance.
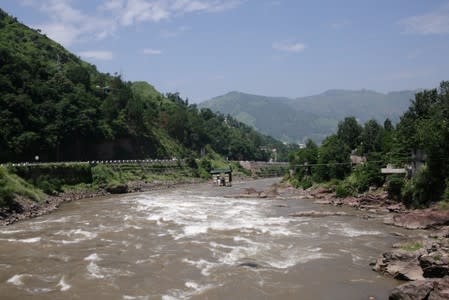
[[423, 262], [23, 208]]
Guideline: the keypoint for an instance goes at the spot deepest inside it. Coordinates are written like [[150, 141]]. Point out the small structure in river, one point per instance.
[[222, 177]]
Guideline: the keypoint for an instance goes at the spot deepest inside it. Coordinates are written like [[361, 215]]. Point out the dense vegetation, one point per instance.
[[314, 117], [54, 105], [423, 128]]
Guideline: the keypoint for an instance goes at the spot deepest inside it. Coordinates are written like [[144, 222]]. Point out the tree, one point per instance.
[[333, 160], [302, 161], [349, 132], [371, 139]]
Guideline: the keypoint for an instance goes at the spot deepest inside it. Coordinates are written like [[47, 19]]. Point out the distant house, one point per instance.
[[357, 159]]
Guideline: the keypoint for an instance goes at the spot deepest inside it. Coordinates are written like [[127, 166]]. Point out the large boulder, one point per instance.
[[400, 264], [421, 219], [434, 289], [435, 264]]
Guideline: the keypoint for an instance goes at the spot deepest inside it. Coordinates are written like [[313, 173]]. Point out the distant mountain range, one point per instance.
[[314, 117]]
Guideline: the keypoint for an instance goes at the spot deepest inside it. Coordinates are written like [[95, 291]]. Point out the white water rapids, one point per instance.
[[192, 243]]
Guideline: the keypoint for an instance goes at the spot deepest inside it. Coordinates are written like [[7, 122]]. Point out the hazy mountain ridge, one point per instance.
[[314, 117]]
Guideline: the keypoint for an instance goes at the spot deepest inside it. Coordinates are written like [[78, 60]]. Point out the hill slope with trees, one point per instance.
[[314, 117], [55, 105]]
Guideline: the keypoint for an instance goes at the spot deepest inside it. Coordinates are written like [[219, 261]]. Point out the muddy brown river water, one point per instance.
[[192, 243]]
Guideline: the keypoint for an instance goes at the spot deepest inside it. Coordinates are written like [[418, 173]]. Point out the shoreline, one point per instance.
[[25, 209], [422, 264]]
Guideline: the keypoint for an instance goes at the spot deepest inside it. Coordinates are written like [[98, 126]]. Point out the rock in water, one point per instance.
[[250, 265], [317, 214]]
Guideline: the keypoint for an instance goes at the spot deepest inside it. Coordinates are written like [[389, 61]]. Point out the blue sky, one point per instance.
[[205, 48]]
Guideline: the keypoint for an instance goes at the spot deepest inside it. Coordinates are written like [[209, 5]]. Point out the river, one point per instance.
[[192, 243]]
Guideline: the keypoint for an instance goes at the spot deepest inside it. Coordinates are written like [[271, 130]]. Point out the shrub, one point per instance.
[[367, 175], [446, 193], [407, 193], [344, 189], [103, 175], [395, 184], [418, 192], [306, 183], [295, 182], [206, 165], [191, 162], [48, 184]]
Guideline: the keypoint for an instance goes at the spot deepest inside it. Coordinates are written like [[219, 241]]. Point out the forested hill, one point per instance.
[[313, 117], [55, 105]]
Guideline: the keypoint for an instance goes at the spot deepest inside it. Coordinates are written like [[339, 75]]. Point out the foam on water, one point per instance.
[[7, 231], [260, 237], [92, 268], [26, 241], [352, 232], [192, 289], [17, 279], [74, 236], [202, 214], [64, 285]]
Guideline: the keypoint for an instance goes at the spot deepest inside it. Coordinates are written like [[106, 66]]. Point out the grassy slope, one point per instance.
[[11, 186]]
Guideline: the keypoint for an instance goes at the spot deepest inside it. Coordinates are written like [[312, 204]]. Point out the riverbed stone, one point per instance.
[[436, 289], [435, 264], [317, 214], [421, 219], [400, 264]]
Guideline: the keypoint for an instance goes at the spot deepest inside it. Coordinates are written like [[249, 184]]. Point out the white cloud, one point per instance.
[[141, 10], [436, 22], [63, 33], [99, 55], [68, 24], [150, 51], [289, 47]]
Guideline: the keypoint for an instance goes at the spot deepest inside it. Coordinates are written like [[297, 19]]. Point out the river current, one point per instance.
[[192, 243]]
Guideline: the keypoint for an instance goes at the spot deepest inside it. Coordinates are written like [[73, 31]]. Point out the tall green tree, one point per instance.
[[333, 160], [349, 132]]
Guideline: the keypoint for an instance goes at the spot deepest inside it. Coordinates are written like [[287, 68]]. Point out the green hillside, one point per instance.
[[314, 117], [55, 105]]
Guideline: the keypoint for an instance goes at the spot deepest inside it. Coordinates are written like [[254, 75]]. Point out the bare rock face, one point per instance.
[[400, 264], [435, 264], [435, 289], [421, 219]]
